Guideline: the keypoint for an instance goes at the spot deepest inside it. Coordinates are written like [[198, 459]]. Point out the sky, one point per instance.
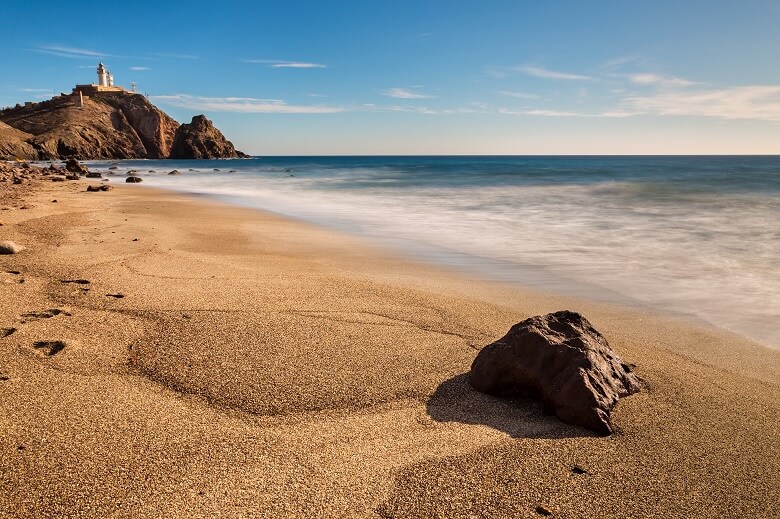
[[424, 77]]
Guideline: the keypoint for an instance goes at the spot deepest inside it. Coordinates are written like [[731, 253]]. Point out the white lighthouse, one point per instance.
[[103, 75], [105, 83]]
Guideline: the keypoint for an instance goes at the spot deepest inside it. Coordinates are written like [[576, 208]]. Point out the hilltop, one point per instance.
[[106, 125]]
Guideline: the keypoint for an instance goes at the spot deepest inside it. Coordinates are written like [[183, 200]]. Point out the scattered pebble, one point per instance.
[[9, 247]]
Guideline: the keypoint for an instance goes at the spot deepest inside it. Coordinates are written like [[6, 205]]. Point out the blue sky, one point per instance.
[[436, 77]]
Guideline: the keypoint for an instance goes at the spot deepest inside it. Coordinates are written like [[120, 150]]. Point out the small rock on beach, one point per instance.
[[9, 247]]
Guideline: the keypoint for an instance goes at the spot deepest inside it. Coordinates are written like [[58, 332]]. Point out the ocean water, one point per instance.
[[697, 236]]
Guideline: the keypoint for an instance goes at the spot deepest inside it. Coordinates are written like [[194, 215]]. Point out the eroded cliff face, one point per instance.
[[120, 125], [154, 127], [200, 139]]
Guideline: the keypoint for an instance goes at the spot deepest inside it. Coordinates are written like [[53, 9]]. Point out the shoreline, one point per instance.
[[259, 365], [636, 263]]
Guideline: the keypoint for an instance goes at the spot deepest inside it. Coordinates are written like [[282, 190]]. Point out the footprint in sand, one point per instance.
[[45, 314], [49, 348], [5, 332], [116, 296], [77, 281]]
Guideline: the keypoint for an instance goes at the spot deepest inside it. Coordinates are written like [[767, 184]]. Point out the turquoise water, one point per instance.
[[696, 236]]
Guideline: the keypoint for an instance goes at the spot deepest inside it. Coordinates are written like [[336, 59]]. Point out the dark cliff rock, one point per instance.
[[115, 125], [562, 360], [201, 140]]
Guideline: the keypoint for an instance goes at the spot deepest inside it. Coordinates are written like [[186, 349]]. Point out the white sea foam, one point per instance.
[[689, 252]]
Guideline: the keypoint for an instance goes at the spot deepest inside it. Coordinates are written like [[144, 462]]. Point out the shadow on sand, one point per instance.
[[456, 401]]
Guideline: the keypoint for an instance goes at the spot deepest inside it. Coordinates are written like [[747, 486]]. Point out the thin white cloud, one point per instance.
[[618, 62], [36, 90], [276, 63], [418, 109], [315, 95], [756, 102], [138, 69], [518, 95], [298, 64], [403, 93], [551, 74], [615, 114], [69, 52], [659, 80], [542, 113], [242, 105]]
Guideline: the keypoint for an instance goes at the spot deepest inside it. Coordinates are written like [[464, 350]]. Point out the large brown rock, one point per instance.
[[201, 140], [562, 360]]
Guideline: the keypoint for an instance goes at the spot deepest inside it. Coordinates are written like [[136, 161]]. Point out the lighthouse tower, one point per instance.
[[103, 75]]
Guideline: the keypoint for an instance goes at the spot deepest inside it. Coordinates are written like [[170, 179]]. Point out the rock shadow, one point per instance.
[[456, 401]]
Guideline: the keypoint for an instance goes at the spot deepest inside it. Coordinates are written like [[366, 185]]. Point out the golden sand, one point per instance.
[[224, 361]]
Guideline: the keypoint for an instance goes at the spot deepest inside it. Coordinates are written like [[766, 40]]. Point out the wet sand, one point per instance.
[[217, 360]]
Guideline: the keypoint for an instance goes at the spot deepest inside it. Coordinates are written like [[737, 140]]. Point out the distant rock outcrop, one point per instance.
[[561, 359], [109, 125], [201, 140]]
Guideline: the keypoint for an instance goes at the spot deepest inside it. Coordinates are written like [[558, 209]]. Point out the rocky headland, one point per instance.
[[106, 125]]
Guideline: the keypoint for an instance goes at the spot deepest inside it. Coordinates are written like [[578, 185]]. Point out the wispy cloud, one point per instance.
[[242, 105], [551, 74], [298, 64], [275, 63], [619, 62], [518, 95], [403, 93], [69, 52], [371, 107], [137, 69], [36, 90], [659, 80], [542, 113], [612, 114], [757, 102]]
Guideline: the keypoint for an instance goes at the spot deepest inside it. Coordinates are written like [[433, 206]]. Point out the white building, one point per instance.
[[105, 79]]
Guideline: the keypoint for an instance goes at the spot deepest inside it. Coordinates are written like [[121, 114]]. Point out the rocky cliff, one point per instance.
[[201, 140], [115, 125]]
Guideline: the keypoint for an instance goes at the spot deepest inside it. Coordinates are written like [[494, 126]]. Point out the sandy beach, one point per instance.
[[174, 357]]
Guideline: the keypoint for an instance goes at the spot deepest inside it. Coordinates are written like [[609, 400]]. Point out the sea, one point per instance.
[[695, 236]]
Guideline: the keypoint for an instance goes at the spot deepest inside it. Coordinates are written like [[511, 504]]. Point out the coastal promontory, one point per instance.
[[200, 139], [96, 122]]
